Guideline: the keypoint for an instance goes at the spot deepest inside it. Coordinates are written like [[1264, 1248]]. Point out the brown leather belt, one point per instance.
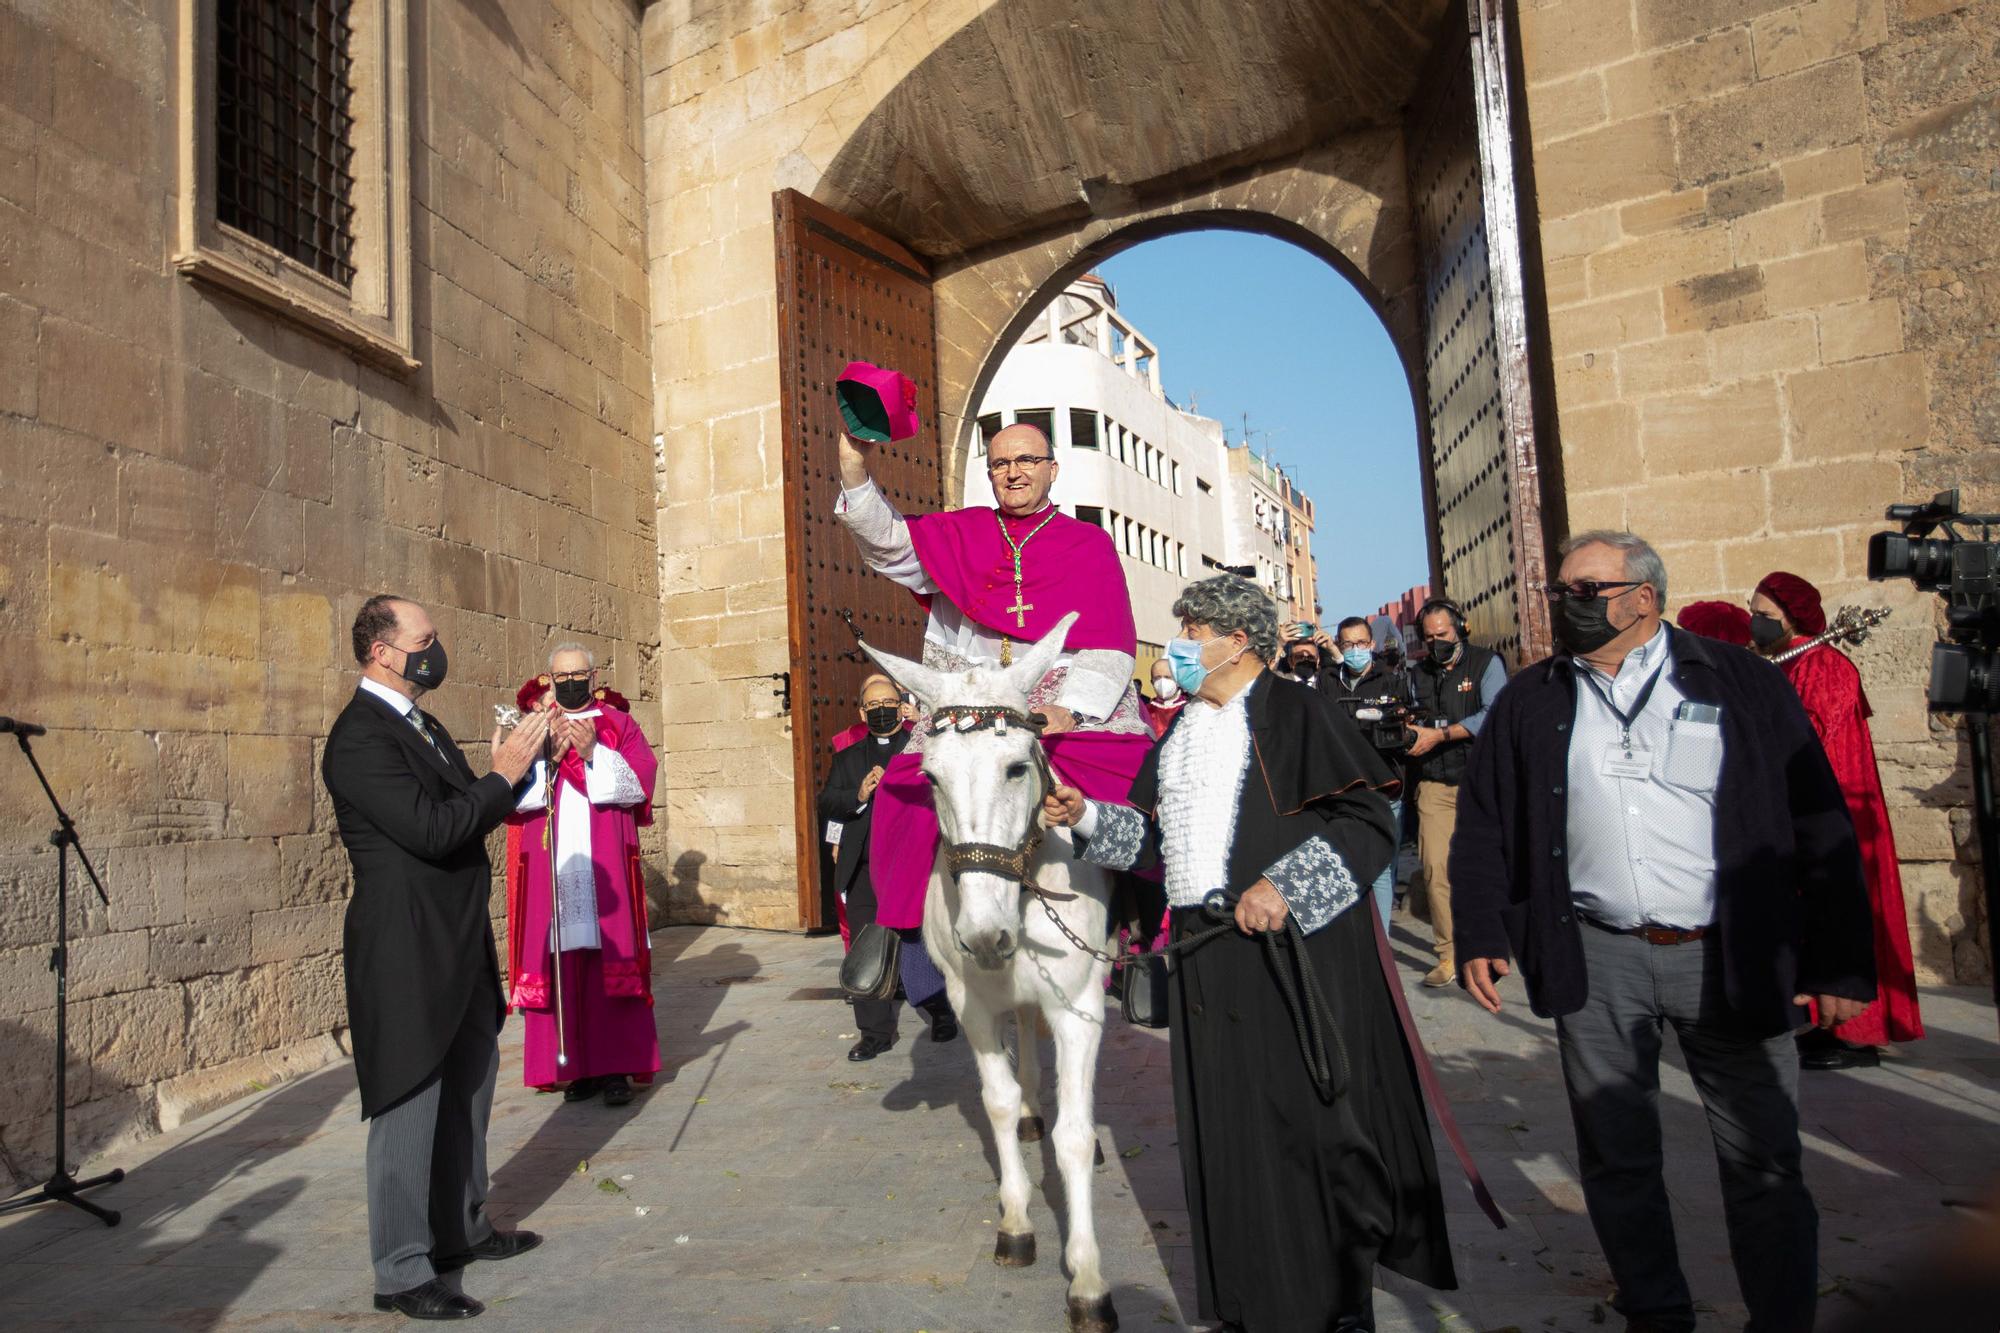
[[1654, 934]]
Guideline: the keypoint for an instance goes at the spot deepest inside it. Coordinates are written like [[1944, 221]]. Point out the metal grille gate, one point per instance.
[[1482, 449], [845, 293]]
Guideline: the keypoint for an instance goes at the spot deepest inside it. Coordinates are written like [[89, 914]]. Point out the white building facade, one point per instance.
[[1178, 501]]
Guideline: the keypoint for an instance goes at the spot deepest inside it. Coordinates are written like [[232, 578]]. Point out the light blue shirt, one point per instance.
[[1641, 830]]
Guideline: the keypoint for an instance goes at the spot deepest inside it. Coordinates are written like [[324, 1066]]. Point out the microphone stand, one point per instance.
[[61, 1186]]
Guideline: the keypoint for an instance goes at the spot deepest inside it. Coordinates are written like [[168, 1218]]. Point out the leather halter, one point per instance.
[[988, 858]]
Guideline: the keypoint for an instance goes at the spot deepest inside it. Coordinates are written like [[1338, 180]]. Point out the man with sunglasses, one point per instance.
[[994, 580], [1649, 828]]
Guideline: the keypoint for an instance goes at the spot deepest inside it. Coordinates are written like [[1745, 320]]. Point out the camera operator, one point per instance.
[[1370, 686], [1307, 655], [1452, 686]]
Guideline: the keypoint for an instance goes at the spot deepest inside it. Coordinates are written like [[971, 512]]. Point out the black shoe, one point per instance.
[[944, 1028], [869, 1047], [617, 1090], [433, 1300], [583, 1089], [499, 1245], [1840, 1055]]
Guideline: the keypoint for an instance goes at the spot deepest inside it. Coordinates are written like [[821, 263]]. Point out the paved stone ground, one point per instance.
[[766, 1183]]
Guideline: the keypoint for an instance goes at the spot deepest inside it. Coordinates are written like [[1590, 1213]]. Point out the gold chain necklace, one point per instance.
[[1019, 610]]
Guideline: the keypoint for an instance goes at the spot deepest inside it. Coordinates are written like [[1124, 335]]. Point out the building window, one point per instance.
[[1177, 480], [294, 186], [1180, 559], [1042, 419], [1091, 514], [1123, 438], [1203, 486], [1082, 429], [283, 132], [989, 426]]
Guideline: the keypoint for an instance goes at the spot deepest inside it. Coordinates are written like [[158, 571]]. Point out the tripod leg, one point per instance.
[[109, 1216]]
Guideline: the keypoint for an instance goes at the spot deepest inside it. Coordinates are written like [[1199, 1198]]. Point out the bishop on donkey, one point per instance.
[[993, 579]]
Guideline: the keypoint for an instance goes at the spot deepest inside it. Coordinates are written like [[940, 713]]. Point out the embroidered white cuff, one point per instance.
[[1315, 883], [1113, 836], [609, 780]]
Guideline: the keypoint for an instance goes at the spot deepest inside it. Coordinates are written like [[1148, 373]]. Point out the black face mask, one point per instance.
[[1766, 631], [1584, 627], [573, 694], [883, 719], [1304, 666], [1444, 652], [426, 667]]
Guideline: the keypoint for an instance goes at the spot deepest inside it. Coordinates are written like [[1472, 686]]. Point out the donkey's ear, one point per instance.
[[927, 684], [1027, 673]]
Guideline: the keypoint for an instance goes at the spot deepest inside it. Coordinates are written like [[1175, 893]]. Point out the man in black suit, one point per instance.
[[844, 810], [424, 1001]]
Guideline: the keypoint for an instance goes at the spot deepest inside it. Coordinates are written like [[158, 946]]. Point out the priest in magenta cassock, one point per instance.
[[605, 769], [992, 581]]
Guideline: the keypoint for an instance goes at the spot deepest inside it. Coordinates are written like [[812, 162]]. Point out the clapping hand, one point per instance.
[[582, 736], [515, 752], [871, 782]]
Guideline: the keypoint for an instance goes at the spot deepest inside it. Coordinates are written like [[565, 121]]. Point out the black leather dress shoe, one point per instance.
[[617, 1091], [944, 1028], [433, 1300], [869, 1047], [1846, 1055], [499, 1245], [583, 1089]]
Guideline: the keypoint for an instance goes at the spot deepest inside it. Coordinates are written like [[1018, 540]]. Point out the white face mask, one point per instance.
[[1166, 689]]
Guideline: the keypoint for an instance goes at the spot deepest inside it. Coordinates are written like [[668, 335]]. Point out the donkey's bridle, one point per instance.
[[985, 857]]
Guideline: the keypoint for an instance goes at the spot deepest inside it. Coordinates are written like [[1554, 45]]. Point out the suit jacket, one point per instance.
[[1791, 909], [418, 944], [840, 799]]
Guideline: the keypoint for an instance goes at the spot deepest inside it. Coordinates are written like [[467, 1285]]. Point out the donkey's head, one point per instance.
[[987, 776]]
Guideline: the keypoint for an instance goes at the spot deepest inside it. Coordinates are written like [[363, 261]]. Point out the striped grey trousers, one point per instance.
[[427, 1159]]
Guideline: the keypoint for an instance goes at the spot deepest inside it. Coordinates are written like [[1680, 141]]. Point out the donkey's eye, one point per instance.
[[1016, 771]]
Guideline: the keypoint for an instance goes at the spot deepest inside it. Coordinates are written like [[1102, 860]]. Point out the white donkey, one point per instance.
[[999, 951]]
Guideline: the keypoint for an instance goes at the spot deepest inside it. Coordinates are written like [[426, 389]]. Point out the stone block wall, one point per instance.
[[195, 495], [736, 96], [1769, 238]]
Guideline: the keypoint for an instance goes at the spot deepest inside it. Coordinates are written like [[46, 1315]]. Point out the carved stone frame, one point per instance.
[[372, 315]]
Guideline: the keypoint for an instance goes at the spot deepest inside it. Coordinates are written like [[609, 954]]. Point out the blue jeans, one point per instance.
[[1385, 883]]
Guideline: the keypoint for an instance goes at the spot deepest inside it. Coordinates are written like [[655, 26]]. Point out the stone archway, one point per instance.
[[1354, 218]]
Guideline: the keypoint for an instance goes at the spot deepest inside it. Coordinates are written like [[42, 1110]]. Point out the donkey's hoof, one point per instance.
[[1095, 1316], [1097, 1158], [1032, 1128], [1014, 1250]]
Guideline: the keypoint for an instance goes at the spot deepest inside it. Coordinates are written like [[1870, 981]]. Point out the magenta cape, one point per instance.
[[903, 839], [1067, 566], [608, 991]]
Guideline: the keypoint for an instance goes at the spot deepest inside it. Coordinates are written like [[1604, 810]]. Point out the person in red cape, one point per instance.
[[1167, 700], [604, 795], [1785, 610], [1725, 622], [993, 580]]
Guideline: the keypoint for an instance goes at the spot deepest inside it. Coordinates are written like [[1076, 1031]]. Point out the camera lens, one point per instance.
[[1964, 679], [1925, 561]]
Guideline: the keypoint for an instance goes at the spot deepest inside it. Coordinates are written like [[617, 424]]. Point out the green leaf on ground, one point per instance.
[[583, 1167], [609, 1186], [1134, 1150]]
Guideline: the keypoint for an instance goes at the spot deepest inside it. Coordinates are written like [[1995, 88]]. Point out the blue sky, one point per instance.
[[1245, 323]]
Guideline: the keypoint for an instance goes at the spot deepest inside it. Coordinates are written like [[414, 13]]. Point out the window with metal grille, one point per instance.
[[283, 128]]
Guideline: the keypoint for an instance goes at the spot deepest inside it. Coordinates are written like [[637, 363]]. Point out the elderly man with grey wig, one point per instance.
[[585, 943], [1297, 1185]]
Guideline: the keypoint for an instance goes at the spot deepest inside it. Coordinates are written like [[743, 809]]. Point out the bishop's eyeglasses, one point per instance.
[[998, 466]]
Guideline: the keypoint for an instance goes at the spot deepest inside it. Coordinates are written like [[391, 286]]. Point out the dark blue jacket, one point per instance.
[[1791, 905]]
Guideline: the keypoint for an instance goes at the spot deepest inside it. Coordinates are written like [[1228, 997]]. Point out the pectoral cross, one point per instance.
[[1019, 610]]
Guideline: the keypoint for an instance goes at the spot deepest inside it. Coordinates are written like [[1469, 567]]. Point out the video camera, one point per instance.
[[1386, 721], [1965, 672]]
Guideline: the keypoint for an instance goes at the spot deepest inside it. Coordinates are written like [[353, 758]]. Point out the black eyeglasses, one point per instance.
[[1586, 590], [999, 465]]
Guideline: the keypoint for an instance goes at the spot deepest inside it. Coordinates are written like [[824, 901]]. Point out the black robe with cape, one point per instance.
[[1292, 1201]]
